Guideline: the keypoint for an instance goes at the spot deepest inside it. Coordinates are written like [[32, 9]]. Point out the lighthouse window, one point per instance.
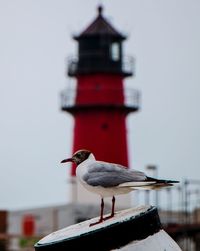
[[115, 53], [104, 126]]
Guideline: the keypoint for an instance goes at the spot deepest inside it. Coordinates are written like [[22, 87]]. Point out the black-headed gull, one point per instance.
[[109, 179]]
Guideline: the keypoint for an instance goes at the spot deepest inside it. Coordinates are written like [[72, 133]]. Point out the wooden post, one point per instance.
[[131, 227]]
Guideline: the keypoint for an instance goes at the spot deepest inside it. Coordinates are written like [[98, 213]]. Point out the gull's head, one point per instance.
[[78, 157]]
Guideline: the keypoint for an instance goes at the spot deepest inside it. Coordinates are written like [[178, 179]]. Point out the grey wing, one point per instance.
[[110, 175]]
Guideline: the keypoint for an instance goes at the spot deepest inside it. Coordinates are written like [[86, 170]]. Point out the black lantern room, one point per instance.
[[100, 50]]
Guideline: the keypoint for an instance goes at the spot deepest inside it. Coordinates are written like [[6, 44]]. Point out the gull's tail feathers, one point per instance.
[[149, 184], [158, 181], [157, 186], [137, 184]]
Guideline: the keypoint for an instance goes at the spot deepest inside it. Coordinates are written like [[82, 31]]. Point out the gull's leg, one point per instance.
[[113, 209], [102, 207], [113, 206], [101, 215]]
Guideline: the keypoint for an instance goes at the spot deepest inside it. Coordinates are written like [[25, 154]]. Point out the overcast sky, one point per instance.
[[35, 135]]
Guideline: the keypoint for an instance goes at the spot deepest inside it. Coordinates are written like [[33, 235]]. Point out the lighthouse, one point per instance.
[[99, 101]]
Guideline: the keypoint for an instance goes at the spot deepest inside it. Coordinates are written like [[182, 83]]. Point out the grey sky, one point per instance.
[[35, 40]]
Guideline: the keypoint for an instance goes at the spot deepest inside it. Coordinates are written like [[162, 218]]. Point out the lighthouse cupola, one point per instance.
[[100, 50]]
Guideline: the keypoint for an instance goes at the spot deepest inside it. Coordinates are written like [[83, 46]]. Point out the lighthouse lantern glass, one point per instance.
[[115, 51]]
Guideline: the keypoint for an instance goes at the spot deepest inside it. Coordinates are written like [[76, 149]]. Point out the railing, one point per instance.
[[126, 66], [131, 98], [72, 65]]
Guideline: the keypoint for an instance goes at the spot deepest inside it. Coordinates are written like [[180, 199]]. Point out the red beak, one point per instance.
[[67, 160]]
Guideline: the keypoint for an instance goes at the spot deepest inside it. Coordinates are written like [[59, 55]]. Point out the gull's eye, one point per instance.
[[78, 155]]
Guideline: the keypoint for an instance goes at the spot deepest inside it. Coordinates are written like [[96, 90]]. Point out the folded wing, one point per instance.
[[112, 175]]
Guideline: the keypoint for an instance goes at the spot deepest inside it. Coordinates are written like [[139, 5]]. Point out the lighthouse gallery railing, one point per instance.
[[131, 98]]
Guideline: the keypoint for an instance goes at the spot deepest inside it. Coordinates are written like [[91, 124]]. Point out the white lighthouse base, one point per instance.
[[157, 242]]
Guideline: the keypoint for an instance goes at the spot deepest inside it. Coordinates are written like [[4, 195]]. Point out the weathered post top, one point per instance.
[[128, 226]]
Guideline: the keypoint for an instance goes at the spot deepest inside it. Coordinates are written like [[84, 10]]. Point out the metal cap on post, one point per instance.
[[126, 227]]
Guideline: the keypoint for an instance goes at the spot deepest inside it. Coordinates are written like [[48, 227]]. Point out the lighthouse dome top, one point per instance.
[[100, 27]]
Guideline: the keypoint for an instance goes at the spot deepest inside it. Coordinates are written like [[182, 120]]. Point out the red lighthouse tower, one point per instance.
[[99, 103]]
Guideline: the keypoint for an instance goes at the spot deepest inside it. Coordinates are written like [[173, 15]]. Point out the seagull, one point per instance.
[[109, 179]]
